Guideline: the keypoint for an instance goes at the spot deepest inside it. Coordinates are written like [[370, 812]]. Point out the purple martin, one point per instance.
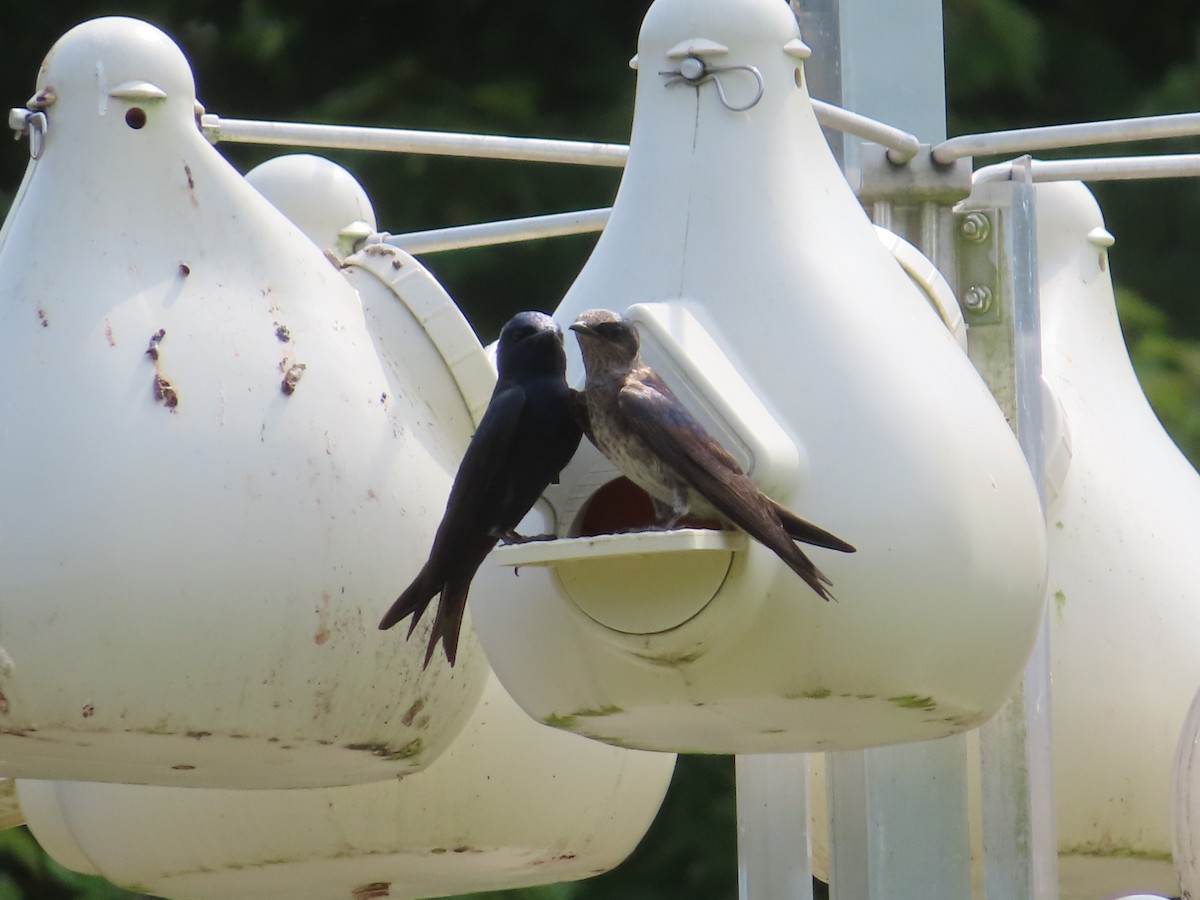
[[640, 425], [528, 434]]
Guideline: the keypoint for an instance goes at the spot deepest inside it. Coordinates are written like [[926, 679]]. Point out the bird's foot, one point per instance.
[[512, 537]]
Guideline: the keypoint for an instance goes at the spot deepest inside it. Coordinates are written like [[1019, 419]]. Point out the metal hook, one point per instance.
[[34, 124], [753, 70], [38, 124], [695, 71]]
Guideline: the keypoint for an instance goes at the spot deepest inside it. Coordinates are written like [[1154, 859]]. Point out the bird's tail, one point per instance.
[[807, 569], [413, 601], [807, 533], [447, 624]]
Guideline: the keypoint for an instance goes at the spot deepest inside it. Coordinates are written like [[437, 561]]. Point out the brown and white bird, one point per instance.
[[640, 425]]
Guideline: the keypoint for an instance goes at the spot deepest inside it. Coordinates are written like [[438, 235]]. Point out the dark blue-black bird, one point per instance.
[[640, 425], [528, 434]]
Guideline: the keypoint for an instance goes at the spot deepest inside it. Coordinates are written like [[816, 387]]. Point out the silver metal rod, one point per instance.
[[1112, 168], [505, 232], [562, 224], [901, 145], [394, 140], [1083, 134]]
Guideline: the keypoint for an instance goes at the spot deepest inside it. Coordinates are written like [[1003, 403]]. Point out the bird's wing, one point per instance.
[[487, 453], [462, 540], [657, 416], [681, 441]]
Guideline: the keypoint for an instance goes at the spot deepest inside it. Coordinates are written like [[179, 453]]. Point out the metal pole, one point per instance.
[[899, 826], [1017, 777], [890, 835], [1082, 134], [774, 846], [859, 46], [505, 232], [1111, 168], [396, 140], [901, 145]]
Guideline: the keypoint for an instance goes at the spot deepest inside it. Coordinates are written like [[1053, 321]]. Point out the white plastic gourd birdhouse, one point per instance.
[[320, 197], [1124, 520], [214, 484], [1123, 507], [765, 299], [511, 803], [1185, 803]]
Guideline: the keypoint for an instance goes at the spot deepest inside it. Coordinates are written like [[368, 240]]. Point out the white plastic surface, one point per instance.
[[426, 302], [1185, 803], [1124, 574], [743, 222], [511, 803], [194, 560], [929, 281], [617, 580], [320, 197]]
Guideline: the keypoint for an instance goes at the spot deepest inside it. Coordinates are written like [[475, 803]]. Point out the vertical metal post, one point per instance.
[[774, 846], [881, 58], [1019, 833], [891, 835], [899, 822]]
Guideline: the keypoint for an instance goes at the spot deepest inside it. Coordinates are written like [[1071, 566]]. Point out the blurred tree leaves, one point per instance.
[[559, 70], [992, 88], [1168, 368], [690, 850], [26, 873]]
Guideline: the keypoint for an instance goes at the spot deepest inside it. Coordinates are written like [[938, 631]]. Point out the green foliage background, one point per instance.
[[552, 69]]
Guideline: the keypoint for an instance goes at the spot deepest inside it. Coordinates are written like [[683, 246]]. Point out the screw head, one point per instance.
[[977, 299], [975, 227], [692, 68]]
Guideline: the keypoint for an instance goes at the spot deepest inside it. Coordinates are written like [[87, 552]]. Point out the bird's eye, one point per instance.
[[610, 330]]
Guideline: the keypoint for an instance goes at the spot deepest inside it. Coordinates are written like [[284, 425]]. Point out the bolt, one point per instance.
[[692, 68], [975, 227], [977, 299]]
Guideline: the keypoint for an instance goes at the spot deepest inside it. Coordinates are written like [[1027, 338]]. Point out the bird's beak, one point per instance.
[[580, 328]]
